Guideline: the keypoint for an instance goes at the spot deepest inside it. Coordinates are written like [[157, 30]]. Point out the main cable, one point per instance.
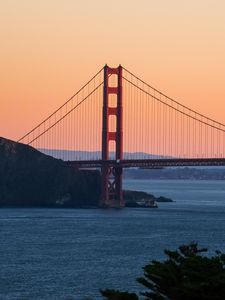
[[176, 109], [173, 100], [65, 103], [61, 118]]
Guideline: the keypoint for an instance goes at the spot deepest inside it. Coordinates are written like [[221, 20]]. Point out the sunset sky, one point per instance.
[[49, 48]]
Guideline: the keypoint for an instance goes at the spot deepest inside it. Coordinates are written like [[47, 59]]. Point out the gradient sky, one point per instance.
[[49, 48]]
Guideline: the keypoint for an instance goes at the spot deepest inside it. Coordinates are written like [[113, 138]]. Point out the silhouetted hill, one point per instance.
[[31, 178], [92, 155]]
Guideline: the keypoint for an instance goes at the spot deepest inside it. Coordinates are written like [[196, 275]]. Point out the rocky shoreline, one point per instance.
[[143, 199]]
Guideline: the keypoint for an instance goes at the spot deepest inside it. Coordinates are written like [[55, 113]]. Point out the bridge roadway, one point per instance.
[[148, 163]]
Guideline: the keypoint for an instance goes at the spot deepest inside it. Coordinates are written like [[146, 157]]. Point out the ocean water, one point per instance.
[[72, 253]]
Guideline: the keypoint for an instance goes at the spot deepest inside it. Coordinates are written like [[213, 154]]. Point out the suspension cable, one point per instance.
[[191, 110], [74, 95], [61, 118], [176, 109]]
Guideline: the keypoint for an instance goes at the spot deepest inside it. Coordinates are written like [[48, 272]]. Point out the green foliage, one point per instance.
[[186, 274]]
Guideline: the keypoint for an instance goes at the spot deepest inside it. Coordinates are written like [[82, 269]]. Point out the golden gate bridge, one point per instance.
[[117, 120]]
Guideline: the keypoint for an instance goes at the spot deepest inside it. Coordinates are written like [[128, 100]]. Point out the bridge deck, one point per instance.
[[149, 163]]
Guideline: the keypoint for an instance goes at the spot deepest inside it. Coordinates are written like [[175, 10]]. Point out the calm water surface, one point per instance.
[[71, 253]]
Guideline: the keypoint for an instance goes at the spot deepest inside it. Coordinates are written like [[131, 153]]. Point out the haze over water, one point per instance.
[[71, 253]]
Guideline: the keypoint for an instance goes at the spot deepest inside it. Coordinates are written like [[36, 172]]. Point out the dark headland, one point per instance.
[[29, 178]]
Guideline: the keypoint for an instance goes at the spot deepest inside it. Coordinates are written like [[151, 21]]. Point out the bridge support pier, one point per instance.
[[112, 194]]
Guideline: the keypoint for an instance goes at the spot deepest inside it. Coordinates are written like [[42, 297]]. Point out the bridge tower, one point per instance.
[[112, 194]]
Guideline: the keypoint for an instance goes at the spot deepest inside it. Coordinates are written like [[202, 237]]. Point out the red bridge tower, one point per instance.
[[112, 194]]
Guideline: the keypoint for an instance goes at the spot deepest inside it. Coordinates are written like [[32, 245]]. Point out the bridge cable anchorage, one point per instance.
[[176, 109], [65, 103], [173, 100]]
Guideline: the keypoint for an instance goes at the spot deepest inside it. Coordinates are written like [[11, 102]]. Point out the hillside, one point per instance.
[[31, 178]]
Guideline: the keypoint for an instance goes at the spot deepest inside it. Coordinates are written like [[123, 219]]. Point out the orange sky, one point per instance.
[[49, 48]]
